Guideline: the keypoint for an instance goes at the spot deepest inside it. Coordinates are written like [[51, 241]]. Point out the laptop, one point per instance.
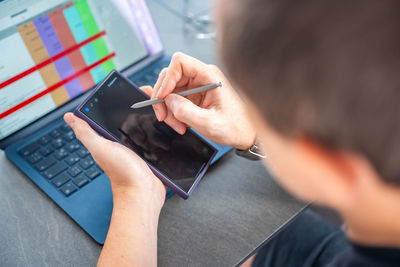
[[53, 53]]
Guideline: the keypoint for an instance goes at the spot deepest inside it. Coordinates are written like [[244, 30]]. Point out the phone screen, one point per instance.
[[179, 157]]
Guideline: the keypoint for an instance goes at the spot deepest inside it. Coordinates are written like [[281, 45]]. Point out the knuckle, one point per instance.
[[178, 55], [175, 73], [179, 112], [214, 68], [178, 58]]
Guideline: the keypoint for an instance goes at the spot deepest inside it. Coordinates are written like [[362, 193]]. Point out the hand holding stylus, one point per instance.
[[197, 90], [219, 114]]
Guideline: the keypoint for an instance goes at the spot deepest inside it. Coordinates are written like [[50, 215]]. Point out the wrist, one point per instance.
[[147, 197]]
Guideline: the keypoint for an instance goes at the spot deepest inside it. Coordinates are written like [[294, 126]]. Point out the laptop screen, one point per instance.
[[54, 50]]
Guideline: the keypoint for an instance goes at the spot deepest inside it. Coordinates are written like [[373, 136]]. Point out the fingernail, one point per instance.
[[158, 92], [156, 112], [182, 130], [69, 119], [160, 89], [158, 116]]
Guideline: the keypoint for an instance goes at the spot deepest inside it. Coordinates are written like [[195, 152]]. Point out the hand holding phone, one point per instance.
[[127, 171], [178, 160]]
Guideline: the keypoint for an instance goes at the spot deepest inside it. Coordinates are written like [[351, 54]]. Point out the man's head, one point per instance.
[[323, 76]]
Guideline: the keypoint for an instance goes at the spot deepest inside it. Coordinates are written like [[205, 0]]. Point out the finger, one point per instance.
[[175, 124], [88, 137], [159, 81], [187, 112], [159, 109], [147, 89], [181, 66]]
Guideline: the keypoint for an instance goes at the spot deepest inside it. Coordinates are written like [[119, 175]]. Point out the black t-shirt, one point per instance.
[[310, 241], [359, 255]]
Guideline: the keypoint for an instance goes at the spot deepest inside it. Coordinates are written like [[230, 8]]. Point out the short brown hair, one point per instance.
[[327, 70]]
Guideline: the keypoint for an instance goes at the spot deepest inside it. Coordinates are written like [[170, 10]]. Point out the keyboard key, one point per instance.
[[54, 170], [68, 189], [45, 163], [45, 151], [140, 83], [64, 127], [71, 147], [93, 172], [33, 158], [83, 152], [86, 163], [142, 80], [60, 179], [44, 140], [74, 171], [61, 153], [29, 149], [55, 133], [80, 180], [58, 143], [72, 159], [148, 78], [69, 136]]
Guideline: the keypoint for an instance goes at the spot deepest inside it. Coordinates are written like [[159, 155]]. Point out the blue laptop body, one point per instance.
[[48, 153]]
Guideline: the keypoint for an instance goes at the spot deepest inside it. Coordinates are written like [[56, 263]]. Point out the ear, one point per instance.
[[337, 175]]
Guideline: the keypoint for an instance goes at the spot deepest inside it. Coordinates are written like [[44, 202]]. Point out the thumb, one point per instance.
[[186, 111], [88, 137]]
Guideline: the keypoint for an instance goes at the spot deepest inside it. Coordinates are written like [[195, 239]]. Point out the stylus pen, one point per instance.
[[183, 93]]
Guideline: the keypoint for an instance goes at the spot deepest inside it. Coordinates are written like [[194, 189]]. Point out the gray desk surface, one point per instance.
[[233, 210]]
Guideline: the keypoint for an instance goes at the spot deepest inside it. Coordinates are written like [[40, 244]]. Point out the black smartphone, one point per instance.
[[179, 161]]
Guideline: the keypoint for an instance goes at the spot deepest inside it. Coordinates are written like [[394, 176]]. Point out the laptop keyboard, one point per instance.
[[150, 77], [62, 159]]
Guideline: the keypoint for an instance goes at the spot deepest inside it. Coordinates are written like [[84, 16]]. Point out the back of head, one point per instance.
[[326, 70]]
